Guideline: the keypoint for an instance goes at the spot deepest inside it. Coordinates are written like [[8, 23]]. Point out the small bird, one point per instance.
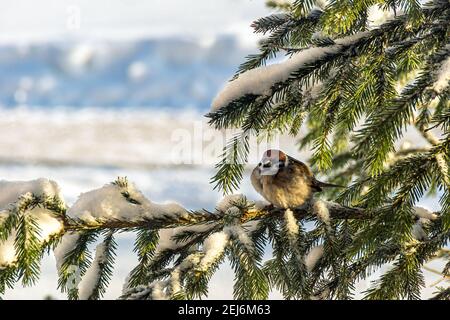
[[285, 182]]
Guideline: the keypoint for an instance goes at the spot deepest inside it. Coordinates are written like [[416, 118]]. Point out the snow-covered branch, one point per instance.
[[120, 205], [260, 81], [34, 217]]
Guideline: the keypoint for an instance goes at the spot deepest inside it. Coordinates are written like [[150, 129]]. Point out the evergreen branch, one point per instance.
[[270, 23], [28, 249], [144, 246], [285, 29], [342, 17], [104, 258], [442, 118], [384, 128], [75, 263], [406, 279], [230, 169], [251, 282], [8, 277], [443, 294]]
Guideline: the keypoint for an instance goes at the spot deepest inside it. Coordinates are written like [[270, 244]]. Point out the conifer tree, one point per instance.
[[348, 89]]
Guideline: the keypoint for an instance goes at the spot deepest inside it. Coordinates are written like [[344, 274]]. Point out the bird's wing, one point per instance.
[[255, 178], [303, 167], [315, 184]]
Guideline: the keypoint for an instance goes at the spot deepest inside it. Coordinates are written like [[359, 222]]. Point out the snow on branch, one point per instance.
[[39, 200], [443, 73], [259, 81], [33, 215], [121, 201], [121, 205]]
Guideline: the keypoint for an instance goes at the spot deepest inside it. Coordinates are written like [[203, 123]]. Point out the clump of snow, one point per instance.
[[92, 275], [108, 203], [68, 243], [424, 213], [213, 248], [158, 291], [7, 252], [175, 282], [10, 191], [11, 195], [166, 240], [351, 39], [191, 261], [424, 218], [233, 211], [80, 56], [239, 233], [377, 16], [291, 222], [138, 293], [443, 75], [230, 201], [199, 260], [405, 145], [312, 91], [260, 80], [135, 293], [250, 226], [321, 210], [313, 256], [418, 232], [261, 204], [48, 224]]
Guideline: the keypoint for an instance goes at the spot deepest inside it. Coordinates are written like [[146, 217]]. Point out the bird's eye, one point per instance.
[[259, 164]]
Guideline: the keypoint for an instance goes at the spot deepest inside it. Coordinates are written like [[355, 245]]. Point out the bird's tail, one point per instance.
[[327, 185]]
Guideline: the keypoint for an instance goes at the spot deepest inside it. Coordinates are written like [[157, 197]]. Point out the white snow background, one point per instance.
[[84, 104]]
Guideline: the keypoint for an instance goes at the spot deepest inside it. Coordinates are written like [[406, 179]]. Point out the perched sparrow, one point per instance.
[[284, 181]]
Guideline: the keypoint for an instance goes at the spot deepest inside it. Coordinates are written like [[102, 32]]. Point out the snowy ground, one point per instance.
[[130, 137]]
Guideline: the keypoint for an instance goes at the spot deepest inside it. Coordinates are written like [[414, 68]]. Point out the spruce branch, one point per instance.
[[104, 259], [444, 294]]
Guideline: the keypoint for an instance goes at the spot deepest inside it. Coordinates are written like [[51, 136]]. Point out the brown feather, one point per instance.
[[291, 187]]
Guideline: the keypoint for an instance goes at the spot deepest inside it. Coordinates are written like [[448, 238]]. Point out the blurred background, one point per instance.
[[92, 90]]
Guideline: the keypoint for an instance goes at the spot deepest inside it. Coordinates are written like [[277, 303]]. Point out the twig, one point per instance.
[[428, 135]]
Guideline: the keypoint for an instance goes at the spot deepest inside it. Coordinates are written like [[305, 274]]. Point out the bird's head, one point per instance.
[[272, 161]]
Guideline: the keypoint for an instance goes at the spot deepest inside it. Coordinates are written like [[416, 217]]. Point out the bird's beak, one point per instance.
[[268, 169], [267, 164]]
